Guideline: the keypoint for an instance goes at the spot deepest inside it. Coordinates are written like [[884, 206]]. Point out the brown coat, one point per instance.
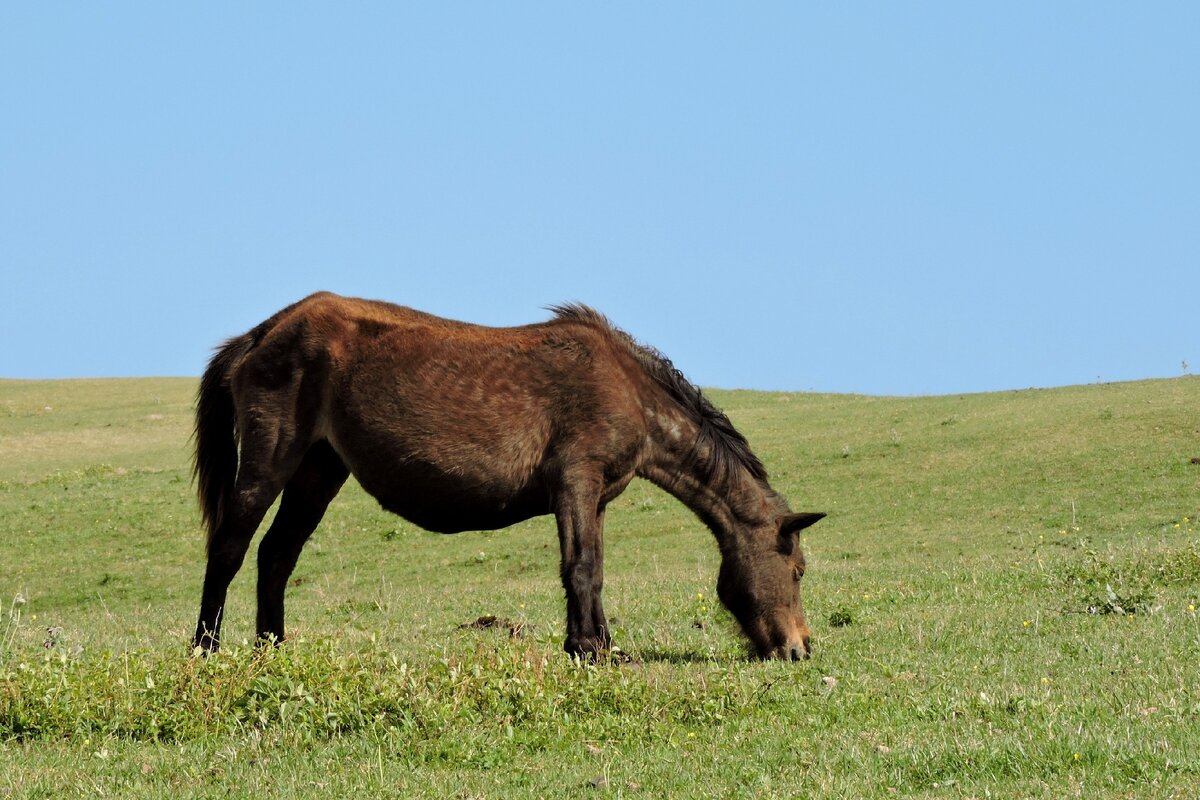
[[462, 427]]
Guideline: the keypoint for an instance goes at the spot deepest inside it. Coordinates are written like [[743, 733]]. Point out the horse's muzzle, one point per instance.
[[794, 651]]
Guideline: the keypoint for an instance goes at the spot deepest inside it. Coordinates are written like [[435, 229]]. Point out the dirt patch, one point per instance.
[[492, 621]]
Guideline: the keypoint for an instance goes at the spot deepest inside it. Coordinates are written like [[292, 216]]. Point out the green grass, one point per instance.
[[1003, 601]]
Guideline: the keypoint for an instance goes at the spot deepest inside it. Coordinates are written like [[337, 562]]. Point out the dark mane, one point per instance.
[[727, 446]]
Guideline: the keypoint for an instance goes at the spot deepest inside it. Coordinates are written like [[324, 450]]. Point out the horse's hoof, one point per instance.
[[587, 648]]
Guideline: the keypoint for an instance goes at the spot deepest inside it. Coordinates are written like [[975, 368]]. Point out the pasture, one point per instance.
[[1003, 602]]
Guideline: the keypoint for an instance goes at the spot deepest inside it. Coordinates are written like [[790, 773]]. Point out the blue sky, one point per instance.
[[882, 198]]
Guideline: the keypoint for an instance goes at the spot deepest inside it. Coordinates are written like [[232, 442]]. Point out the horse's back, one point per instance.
[[450, 424]]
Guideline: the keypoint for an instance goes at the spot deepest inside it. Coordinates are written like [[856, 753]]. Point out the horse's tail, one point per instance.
[[216, 431]]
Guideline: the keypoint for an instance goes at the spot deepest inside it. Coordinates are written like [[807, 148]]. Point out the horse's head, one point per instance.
[[759, 583]]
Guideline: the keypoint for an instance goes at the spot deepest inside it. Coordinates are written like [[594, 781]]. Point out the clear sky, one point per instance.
[[886, 198]]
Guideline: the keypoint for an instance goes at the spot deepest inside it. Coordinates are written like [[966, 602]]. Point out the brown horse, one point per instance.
[[461, 427]]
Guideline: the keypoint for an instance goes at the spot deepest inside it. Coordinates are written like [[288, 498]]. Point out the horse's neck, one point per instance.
[[677, 462]]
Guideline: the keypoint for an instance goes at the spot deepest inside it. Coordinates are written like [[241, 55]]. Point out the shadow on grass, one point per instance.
[[668, 655]]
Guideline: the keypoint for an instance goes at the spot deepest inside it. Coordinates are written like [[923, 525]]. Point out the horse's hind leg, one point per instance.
[[305, 499], [270, 454], [226, 551]]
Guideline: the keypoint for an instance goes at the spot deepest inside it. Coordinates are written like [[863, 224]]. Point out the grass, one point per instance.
[[1004, 600]]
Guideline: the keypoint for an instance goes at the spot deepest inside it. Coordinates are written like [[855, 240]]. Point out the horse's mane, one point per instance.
[[727, 447]]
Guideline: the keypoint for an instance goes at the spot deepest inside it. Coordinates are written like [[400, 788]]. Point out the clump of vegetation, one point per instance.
[[1130, 601], [1093, 580], [319, 692], [1178, 567], [1107, 586], [841, 617], [394, 533]]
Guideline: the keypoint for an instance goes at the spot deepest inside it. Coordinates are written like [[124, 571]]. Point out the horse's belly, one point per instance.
[[456, 513], [450, 452], [450, 503]]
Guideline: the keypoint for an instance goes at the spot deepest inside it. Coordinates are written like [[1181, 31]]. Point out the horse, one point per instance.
[[459, 427]]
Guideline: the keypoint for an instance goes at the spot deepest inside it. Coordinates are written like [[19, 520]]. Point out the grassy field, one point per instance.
[[1004, 604]]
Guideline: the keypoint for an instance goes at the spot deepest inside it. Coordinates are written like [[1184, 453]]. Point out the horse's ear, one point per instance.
[[794, 523]]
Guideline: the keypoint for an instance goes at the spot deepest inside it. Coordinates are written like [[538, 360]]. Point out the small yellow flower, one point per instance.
[[1191, 608], [521, 606], [691, 735], [1045, 681], [1026, 623], [1077, 756], [34, 617], [699, 595]]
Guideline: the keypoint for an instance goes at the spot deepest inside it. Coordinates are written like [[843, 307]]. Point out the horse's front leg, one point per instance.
[[581, 540]]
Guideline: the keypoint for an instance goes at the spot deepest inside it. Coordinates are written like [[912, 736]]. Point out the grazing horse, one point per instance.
[[460, 427]]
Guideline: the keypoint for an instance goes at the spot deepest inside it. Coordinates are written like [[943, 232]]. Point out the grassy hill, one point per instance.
[[1004, 602]]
